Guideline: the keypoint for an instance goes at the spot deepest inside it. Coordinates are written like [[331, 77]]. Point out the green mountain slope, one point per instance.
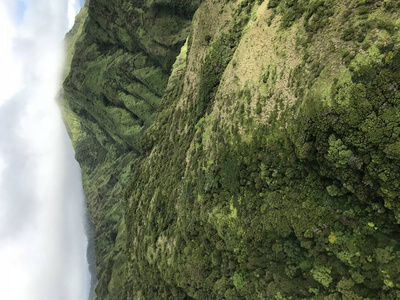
[[262, 164], [119, 58]]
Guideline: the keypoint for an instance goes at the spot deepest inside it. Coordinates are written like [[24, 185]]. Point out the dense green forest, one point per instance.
[[239, 149]]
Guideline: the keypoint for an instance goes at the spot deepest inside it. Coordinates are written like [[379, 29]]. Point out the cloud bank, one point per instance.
[[42, 241]]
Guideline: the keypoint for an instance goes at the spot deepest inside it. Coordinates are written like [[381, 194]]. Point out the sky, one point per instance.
[[42, 241]]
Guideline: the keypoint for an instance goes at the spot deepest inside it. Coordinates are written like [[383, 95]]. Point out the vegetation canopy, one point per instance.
[[239, 149]]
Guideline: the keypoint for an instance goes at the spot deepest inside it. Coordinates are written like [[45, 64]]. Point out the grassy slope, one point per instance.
[[272, 171], [118, 63]]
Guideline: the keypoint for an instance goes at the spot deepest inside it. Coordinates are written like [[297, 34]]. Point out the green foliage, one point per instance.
[[322, 275], [316, 13], [218, 56], [238, 281], [230, 174], [348, 34], [338, 153], [303, 205], [120, 56], [273, 3], [228, 201]]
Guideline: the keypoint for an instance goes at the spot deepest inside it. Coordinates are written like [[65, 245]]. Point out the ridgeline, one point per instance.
[[239, 149]]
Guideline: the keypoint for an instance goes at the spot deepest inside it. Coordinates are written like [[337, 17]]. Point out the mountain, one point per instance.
[[239, 149]]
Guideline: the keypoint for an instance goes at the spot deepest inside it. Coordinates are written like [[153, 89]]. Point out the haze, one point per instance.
[[42, 241]]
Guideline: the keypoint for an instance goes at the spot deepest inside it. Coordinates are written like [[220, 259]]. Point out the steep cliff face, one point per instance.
[[263, 163]]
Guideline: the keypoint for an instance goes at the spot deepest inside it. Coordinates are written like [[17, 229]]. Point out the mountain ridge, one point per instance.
[[112, 87], [269, 167]]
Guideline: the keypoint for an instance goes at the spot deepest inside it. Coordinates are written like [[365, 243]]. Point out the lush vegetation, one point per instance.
[[119, 59], [285, 187]]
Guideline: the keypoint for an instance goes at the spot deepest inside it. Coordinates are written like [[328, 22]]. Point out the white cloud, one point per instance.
[[42, 244], [13, 261], [3, 166], [10, 75], [73, 9]]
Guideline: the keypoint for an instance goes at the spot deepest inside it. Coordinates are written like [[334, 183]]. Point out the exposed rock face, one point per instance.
[[258, 160]]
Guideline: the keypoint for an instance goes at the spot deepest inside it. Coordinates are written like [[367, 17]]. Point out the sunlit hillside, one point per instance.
[[239, 149]]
